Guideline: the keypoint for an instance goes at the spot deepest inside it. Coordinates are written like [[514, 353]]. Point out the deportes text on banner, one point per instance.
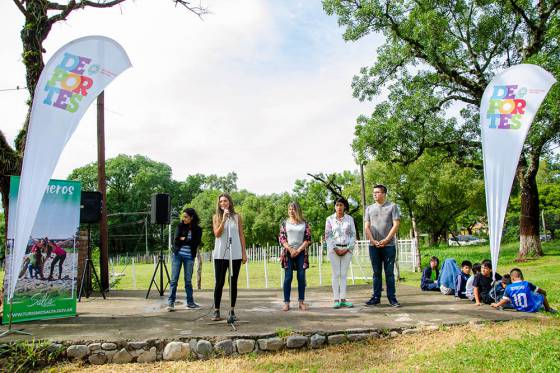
[[74, 76], [508, 107]]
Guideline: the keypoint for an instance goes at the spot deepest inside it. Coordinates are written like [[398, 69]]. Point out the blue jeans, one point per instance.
[[431, 287], [294, 264], [383, 257], [178, 260]]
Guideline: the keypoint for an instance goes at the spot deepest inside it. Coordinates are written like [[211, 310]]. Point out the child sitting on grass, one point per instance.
[[430, 276], [482, 284], [523, 295], [462, 278], [469, 288]]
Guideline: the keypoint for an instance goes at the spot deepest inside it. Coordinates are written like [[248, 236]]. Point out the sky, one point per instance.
[[259, 87]]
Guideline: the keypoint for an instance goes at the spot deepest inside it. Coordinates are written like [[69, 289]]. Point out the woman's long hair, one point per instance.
[[195, 220], [219, 212], [297, 211]]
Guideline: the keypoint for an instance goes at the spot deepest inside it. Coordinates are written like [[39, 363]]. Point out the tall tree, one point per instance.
[[40, 16], [131, 180], [432, 191], [335, 183], [317, 196], [227, 183], [437, 53]]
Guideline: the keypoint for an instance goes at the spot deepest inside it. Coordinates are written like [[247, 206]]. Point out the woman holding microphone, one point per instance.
[[229, 243]]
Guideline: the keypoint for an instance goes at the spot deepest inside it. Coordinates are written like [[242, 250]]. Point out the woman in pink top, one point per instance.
[[59, 257]]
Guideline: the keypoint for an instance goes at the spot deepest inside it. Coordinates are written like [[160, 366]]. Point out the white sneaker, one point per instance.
[[170, 307]]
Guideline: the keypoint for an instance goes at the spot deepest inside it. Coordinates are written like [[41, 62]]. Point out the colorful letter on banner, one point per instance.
[[71, 80], [47, 279], [507, 109]]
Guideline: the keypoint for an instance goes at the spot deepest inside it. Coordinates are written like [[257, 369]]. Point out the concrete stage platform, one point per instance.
[[127, 315]]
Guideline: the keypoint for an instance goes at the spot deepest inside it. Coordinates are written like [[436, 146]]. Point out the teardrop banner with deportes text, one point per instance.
[[508, 107], [70, 81], [46, 286]]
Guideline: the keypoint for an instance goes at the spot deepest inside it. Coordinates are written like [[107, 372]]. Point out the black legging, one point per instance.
[[60, 259], [221, 270]]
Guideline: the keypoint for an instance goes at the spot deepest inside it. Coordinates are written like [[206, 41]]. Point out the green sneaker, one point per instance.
[[346, 304], [337, 305]]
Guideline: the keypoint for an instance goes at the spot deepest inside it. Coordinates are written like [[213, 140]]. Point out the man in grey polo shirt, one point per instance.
[[382, 223]]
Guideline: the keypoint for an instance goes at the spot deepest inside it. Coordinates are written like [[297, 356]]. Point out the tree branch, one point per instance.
[[66, 10], [100, 3], [521, 13], [198, 10], [19, 4], [330, 185], [476, 89], [467, 40]]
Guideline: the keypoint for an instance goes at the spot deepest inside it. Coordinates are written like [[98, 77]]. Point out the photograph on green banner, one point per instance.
[[46, 282]]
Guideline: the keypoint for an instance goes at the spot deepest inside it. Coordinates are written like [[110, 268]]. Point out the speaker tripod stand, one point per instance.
[[161, 265], [89, 268]]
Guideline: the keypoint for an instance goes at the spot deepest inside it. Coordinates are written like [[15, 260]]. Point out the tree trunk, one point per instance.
[[416, 239], [434, 237], [529, 241], [5, 190], [357, 230], [33, 34]]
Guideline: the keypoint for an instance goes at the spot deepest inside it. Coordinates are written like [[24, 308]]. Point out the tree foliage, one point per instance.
[[40, 16], [433, 190], [437, 58], [131, 181]]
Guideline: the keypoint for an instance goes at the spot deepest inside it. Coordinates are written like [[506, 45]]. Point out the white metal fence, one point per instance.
[[266, 259]]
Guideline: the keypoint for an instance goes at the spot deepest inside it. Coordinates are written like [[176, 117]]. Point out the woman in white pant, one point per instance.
[[340, 235]]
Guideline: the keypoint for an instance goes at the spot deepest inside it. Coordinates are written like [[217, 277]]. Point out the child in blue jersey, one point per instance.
[[523, 295]]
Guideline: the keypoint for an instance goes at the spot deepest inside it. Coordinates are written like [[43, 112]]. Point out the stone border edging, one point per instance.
[[192, 348]]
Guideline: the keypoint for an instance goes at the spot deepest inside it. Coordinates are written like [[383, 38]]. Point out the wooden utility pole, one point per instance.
[[101, 183], [363, 185]]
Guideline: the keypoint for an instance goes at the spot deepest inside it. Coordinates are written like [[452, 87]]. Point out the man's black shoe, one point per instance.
[[395, 303], [373, 301]]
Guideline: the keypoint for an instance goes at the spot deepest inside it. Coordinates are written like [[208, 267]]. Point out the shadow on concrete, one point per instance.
[[127, 315]]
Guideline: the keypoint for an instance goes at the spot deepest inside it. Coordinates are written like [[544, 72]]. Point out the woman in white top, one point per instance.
[[230, 241], [295, 237], [340, 235]]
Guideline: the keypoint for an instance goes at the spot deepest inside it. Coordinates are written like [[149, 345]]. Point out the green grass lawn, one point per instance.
[[256, 275], [543, 271], [515, 346]]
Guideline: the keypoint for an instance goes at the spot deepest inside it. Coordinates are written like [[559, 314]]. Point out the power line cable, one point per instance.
[[17, 88]]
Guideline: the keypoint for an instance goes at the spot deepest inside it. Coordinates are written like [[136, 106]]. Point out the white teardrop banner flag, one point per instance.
[[508, 107], [74, 76]]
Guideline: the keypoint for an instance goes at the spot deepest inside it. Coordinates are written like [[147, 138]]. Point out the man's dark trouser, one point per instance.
[[383, 257]]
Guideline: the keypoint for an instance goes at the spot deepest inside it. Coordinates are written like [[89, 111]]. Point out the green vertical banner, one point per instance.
[[46, 282]]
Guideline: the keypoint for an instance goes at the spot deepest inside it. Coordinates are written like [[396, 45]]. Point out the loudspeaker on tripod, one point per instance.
[[161, 208], [90, 207]]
